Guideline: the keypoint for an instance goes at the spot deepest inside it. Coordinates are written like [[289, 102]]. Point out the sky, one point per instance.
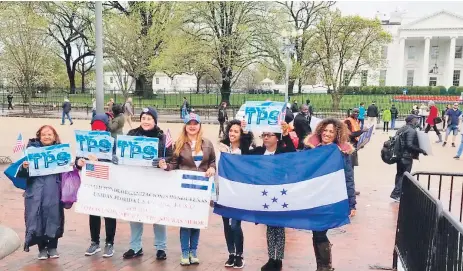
[[413, 9]]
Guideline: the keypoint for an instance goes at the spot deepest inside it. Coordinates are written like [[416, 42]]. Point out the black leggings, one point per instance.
[[386, 126], [320, 237], [95, 226], [428, 127]]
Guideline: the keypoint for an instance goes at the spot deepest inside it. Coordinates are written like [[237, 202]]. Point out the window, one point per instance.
[[432, 81], [157, 81], [456, 78], [111, 79], [382, 78], [435, 52], [364, 78], [384, 52], [410, 75], [346, 78], [458, 51], [411, 52]]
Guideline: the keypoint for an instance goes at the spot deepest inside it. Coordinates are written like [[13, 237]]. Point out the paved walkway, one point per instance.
[[368, 240]]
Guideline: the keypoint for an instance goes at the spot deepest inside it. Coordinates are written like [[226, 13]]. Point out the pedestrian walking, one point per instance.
[[93, 107], [452, 118], [432, 121], [387, 117], [184, 108], [44, 211], [66, 112], [424, 112], [362, 113], [444, 112], [222, 118], [10, 101], [294, 107], [394, 116], [192, 152], [116, 124], [372, 114], [128, 111]]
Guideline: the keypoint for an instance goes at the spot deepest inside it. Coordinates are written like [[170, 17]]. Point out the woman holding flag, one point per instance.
[[148, 127], [192, 152], [332, 131], [236, 142], [44, 211]]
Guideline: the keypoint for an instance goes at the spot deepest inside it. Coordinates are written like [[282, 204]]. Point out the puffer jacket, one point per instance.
[[409, 140], [44, 211]]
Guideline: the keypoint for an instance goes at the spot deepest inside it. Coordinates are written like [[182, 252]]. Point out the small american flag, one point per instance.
[[97, 171], [19, 146], [168, 139]]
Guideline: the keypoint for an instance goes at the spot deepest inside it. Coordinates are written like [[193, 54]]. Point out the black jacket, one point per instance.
[[289, 147], [10, 98], [289, 116], [409, 142], [294, 108], [66, 107], [302, 128], [372, 111], [394, 113], [222, 115]]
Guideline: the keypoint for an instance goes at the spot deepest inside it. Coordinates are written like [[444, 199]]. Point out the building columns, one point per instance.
[[450, 63], [401, 55], [425, 72]]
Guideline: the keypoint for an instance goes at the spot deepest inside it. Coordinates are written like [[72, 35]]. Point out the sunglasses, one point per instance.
[[267, 135]]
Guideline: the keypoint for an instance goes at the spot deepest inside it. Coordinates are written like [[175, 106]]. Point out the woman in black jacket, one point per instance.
[[275, 143]]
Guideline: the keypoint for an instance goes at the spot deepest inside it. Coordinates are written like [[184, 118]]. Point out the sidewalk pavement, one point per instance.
[[368, 240]]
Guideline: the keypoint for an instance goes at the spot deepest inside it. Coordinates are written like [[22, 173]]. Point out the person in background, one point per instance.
[[236, 141], [423, 112], [10, 101], [222, 118], [196, 153], [394, 116], [66, 112], [460, 148], [128, 111], [415, 111], [387, 117], [274, 144], [431, 121], [444, 113], [44, 211], [289, 117], [149, 128], [453, 122], [361, 116], [410, 149], [372, 114], [109, 105], [184, 108], [116, 124], [332, 131], [302, 125], [294, 107], [93, 107], [353, 127]]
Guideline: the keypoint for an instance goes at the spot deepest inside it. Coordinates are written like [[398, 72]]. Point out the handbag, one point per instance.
[[70, 183], [437, 120]]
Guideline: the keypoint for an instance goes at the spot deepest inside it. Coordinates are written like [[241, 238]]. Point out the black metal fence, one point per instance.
[[428, 237]]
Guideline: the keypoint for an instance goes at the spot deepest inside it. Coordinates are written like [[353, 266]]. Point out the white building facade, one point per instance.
[[424, 52]]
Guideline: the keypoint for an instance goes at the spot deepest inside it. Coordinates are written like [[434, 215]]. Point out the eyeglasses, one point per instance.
[[266, 135]]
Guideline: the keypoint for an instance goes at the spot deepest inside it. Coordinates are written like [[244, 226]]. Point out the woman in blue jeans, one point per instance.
[[236, 141], [148, 127], [195, 153]]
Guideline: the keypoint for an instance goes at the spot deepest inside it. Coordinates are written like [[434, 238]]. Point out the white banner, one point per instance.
[[148, 195], [424, 142]]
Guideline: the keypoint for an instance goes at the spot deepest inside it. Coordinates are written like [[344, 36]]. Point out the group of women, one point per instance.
[[192, 151]]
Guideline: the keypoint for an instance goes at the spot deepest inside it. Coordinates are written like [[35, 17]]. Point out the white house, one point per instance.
[[424, 52]]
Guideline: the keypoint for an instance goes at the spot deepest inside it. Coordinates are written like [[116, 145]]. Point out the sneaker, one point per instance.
[[239, 262], [53, 253], [443, 144], [269, 266], [396, 199], [108, 251], [161, 255], [231, 261], [456, 157], [72, 123], [453, 145], [357, 193], [193, 257], [185, 260], [130, 254], [93, 249], [43, 255]]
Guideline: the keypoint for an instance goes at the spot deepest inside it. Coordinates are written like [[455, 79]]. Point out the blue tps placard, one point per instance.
[[136, 150], [98, 143], [49, 160], [264, 116]]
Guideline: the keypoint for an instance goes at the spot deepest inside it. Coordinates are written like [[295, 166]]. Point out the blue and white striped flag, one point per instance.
[[303, 190]]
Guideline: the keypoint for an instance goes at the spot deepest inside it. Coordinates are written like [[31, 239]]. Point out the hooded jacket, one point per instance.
[[43, 212]]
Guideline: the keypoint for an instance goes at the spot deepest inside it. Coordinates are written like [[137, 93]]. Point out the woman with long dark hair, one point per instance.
[[332, 131], [236, 141]]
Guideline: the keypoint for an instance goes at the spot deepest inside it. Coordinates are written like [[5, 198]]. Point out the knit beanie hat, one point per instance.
[[150, 111]]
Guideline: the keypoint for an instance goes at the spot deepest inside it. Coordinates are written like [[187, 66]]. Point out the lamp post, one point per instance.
[[99, 95], [289, 47]]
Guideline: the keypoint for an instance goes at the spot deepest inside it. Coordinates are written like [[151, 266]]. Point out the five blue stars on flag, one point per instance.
[[275, 199]]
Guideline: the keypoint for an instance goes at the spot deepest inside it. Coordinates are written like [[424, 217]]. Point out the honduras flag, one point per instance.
[[303, 190]]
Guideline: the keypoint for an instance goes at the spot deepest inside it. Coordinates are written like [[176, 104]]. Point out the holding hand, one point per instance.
[[92, 157], [26, 164], [285, 128], [223, 147], [353, 213], [163, 164], [210, 172], [81, 162]]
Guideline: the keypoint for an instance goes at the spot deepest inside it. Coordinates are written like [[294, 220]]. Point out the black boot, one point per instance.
[[278, 265], [269, 266], [324, 252]]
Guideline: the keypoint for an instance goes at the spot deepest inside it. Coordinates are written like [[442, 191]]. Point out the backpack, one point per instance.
[[390, 153]]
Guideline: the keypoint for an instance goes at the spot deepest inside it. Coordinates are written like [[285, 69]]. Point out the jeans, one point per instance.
[[393, 123], [460, 148], [184, 113], [403, 165], [362, 123], [136, 231], [48, 243], [67, 116], [95, 226], [189, 239], [93, 113], [233, 235], [221, 128]]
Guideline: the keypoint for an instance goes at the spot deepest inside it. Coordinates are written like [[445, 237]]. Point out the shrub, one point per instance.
[[435, 90], [459, 90], [452, 90], [442, 90]]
